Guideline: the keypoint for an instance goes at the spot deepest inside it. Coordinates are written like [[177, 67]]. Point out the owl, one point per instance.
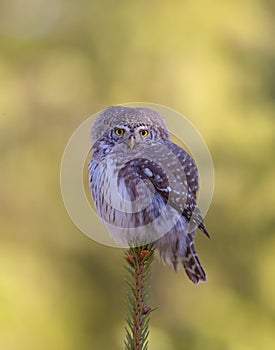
[[144, 186]]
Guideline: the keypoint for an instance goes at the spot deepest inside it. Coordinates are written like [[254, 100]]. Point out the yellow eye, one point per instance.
[[119, 132], [143, 132]]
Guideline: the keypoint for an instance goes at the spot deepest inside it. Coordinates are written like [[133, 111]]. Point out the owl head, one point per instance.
[[118, 124]]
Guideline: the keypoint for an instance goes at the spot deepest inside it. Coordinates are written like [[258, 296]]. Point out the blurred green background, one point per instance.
[[62, 61]]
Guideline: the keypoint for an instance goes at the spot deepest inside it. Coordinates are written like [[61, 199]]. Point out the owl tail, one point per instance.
[[191, 263]]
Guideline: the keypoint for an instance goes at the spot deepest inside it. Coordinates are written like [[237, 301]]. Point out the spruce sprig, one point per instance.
[[138, 265]]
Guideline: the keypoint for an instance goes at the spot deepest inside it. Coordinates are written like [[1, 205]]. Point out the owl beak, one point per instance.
[[131, 142]]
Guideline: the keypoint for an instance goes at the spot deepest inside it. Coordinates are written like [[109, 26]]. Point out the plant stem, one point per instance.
[[139, 260]]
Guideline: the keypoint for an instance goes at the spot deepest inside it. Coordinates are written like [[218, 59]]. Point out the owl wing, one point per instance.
[[175, 179], [191, 173]]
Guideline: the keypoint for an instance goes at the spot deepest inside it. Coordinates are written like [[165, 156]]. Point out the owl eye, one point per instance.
[[143, 132], [119, 131]]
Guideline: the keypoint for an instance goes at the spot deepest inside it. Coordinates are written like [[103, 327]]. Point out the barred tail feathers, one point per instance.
[[178, 251], [191, 263]]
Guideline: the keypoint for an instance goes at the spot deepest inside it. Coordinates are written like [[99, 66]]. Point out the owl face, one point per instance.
[[130, 139], [131, 135]]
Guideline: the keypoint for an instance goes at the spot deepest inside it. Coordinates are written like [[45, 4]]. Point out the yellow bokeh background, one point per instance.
[[62, 61]]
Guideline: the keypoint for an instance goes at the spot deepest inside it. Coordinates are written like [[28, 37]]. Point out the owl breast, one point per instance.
[[127, 203]]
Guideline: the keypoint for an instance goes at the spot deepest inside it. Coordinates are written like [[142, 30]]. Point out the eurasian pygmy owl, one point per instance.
[[144, 186]]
